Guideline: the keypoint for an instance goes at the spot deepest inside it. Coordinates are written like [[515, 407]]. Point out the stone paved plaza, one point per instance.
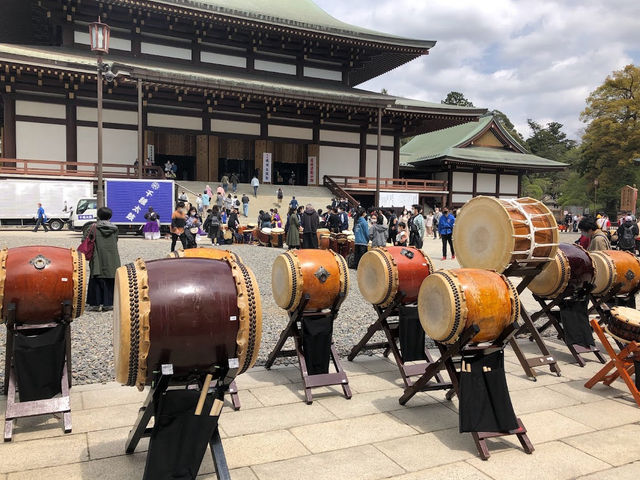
[[577, 433]]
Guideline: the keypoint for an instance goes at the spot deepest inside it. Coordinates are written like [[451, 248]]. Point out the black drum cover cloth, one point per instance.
[[485, 404], [316, 344], [179, 438], [410, 334], [574, 317], [636, 364], [39, 360]]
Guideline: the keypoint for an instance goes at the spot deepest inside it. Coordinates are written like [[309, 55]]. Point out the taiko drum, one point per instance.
[[195, 321], [492, 233], [277, 237], [384, 272], [211, 253], [570, 271], [613, 268], [624, 324], [452, 300], [264, 237], [321, 274], [38, 279]]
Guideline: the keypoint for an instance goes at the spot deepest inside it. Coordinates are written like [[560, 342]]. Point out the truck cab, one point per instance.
[[84, 214]]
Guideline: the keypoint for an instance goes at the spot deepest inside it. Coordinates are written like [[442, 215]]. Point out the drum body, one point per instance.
[[320, 232], [572, 269], [264, 237], [452, 300], [339, 243], [247, 235], [385, 271], [322, 274], [277, 237], [38, 279], [324, 242], [624, 324], [615, 267], [211, 253], [491, 233], [195, 321]]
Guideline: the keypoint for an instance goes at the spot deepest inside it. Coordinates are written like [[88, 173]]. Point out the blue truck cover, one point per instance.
[[130, 200]]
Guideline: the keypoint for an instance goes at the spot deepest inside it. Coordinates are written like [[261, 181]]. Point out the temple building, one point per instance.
[[476, 158], [225, 87]]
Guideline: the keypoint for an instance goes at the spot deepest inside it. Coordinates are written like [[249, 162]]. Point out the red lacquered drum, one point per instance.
[[385, 271], [39, 279], [615, 267], [322, 274], [277, 237], [624, 325], [212, 253], [452, 300], [493, 233], [264, 237], [195, 322], [571, 270]]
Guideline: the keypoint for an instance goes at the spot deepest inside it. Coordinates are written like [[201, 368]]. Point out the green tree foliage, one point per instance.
[[612, 138], [456, 98], [509, 127]]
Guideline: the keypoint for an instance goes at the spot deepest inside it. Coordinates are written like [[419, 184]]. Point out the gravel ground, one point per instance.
[[92, 346]]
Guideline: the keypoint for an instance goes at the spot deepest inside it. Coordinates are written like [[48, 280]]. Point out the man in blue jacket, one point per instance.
[[361, 233], [42, 219], [445, 229]]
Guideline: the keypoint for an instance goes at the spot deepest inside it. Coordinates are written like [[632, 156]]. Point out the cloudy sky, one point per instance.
[[534, 59]]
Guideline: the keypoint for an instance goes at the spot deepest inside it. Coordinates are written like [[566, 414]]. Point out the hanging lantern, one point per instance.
[[99, 33]]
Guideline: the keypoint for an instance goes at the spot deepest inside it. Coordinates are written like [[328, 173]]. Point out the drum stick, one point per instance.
[[203, 394], [216, 408]]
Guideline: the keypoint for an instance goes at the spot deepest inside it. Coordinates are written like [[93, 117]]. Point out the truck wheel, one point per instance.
[[56, 224], [86, 227]]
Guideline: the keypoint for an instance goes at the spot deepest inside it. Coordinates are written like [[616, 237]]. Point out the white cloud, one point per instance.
[[530, 59]]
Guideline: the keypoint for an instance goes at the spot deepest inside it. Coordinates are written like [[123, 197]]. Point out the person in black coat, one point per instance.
[[310, 224], [334, 221]]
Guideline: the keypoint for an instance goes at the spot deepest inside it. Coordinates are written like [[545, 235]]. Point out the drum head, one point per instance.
[[282, 273], [277, 230], [121, 327], [605, 273], [375, 277], [483, 236], [266, 231], [553, 279], [438, 308], [626, 314]]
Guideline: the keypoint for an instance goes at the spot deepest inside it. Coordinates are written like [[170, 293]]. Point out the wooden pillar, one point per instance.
[[135, 42], [396, 156], [214, 158], [362, 172], [497, 183], [313, 150], [9, 137], [519, 184], [71, 132], [474, 188], [449, 187], [202, 158]]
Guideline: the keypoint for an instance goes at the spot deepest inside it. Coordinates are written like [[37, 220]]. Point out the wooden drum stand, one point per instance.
[[294, 329], [61, 404], [390, 330]]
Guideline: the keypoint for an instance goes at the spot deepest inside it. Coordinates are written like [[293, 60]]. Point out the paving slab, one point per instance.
[[428, 418], [538, 399], [293, 393], [244, 473], [16, 456], [376, 381], [247, 400], [262, 448], [576, 389], [105, 418], [616, 446], [261, 378], [372, 402], [626, 472], [362, 463], [351, 432], [116, 396], [111, 443], [547, 426], [603, 414], [452, 471], [550, 461]]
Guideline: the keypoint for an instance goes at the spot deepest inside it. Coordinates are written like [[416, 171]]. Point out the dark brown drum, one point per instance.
[[264, 237], [195, 321], [571, 270], [39, 279]]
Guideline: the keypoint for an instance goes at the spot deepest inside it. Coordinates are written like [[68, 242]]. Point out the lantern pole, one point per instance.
[[100, 192]]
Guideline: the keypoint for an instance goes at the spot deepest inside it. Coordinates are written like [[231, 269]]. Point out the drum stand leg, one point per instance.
[[575, 350], [61, 404], [235, 399], [391, 345], [622, 362], [339, 377]]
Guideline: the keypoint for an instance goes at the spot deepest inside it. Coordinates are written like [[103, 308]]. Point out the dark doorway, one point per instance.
[[289, 163], [186, 165]]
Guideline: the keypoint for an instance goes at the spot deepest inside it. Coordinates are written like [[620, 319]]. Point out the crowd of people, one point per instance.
[[598, 233]]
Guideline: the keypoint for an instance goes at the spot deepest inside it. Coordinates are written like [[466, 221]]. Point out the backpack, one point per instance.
[[627, 241], [215, 221]]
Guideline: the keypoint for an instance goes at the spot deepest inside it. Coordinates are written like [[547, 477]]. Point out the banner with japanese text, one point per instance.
[[266, 167], [312, 171], [130, 199]]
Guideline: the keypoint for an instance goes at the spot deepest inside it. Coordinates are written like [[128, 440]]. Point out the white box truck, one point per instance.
[[20, 198]]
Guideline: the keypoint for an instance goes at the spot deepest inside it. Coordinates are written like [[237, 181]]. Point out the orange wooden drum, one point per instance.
[[615, 267], [320, 232], [493, 233], [38, 279], [322, 274], [452, 300], [277, 237], [200, 252], [264, 237], [324, 242], [385, 271]]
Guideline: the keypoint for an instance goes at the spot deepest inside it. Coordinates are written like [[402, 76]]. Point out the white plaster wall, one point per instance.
[[174, 121], [486, 183], [323, 73], [341, 137], [386, 163], [462, 182], [509, 184], [126, 117], [232, 126], [118, 146], [40, 109], [290, 132], [460, 197], [114, 42], [222, 59], [165, 51], [277, 67], [41, 141], [386, 140], [338, 161]]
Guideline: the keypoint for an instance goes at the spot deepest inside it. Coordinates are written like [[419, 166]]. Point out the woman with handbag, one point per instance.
[[104, 261]]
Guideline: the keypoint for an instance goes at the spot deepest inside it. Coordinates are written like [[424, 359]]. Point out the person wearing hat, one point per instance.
[[627, 233]]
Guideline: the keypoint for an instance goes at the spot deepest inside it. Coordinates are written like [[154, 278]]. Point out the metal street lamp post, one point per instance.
[[99, 33], [595, 195]]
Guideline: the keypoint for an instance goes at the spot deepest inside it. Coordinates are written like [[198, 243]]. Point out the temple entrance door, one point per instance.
[[186, 165], [236, 156], [289, 164]]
